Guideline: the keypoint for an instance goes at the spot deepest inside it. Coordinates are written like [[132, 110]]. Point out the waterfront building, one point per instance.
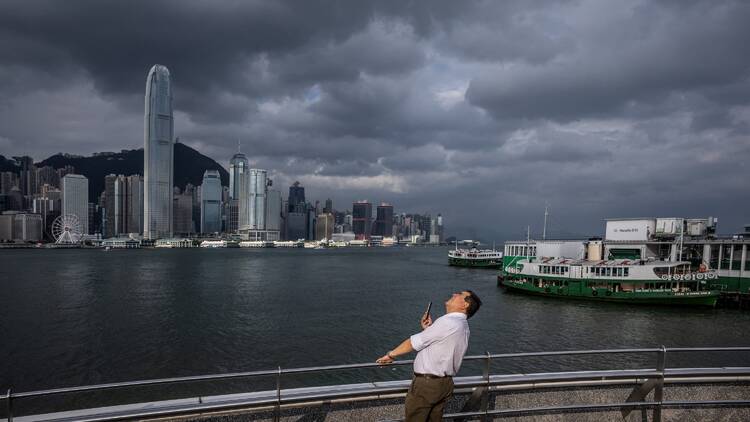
[[273, 210], [174, 243], [384, 220], [21, 226], [75, 199], [7, 225], [134, 204], [362, 219], [311, 217], [296, 225], [238, 167], [328, 207], [296, 198], [211, 202], [97, 218], [258, 181], [48, 209], [121, 243], [27, 227], [232, 214], [123, 204], [113, 202], [184, 225], [158, 155], [324, 227]]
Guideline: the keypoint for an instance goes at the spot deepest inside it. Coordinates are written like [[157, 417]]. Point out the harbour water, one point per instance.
[[75, 317]]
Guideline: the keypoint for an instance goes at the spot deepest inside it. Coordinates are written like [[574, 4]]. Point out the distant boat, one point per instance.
[[475, 258]]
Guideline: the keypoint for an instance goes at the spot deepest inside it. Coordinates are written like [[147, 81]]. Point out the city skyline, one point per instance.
[[610, 109]]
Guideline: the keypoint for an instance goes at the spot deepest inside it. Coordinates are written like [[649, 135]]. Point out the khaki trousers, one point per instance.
[[426, 398]]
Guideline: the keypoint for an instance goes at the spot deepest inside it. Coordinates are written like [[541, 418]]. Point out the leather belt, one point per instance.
[[431, 376]]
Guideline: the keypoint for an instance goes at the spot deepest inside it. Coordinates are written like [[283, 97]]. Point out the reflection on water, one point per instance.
[[72, 317]]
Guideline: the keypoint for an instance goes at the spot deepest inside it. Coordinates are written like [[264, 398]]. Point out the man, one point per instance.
[[441, 347]]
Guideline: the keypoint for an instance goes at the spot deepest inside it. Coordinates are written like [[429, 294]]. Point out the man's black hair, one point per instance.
[[474, 303]]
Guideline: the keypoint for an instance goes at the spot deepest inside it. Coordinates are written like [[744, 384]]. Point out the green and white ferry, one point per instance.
[[475, 258], [618, 280]]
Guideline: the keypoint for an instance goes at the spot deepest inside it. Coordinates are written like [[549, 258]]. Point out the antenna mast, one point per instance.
[[546, 214]]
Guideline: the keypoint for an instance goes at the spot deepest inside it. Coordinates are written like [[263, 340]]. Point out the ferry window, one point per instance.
[[626, 270], [609, 272], [619, 272], [660, 271]]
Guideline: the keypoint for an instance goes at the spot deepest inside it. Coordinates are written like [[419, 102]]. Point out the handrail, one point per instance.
[[657, 404], [273, 372]]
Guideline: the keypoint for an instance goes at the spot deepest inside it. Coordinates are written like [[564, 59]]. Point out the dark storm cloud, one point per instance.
[[658, 49], [482, 110]]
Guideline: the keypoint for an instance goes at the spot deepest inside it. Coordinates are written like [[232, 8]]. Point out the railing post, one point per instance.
[[661, 359], [277, 414], [486, 394], [9, 397]]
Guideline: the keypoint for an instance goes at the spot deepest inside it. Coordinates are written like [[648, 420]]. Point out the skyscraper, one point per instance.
[[384, 220], [211, 202], [296, 198], [75, 198], [158, 155], [273, 210], [324, 226], [238, 167], [134, 200], [123, 204], [258, 180], [362, 219]]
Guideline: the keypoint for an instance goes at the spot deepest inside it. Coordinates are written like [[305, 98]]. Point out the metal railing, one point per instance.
[[476, 407]]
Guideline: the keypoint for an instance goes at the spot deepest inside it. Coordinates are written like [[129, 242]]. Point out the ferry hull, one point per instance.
[[490, 264], [702, 299]]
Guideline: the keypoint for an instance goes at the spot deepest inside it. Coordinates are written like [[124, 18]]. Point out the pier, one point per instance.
[[658, 392]]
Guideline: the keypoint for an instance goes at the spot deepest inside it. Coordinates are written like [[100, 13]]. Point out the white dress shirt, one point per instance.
[[442, 345]]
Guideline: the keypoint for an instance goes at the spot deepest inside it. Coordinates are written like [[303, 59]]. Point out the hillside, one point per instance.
[[189, 166]]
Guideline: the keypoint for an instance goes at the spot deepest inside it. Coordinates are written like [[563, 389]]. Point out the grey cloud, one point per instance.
[[686, 49]]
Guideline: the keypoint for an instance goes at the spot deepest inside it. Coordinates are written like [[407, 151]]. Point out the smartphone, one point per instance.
[[429, 306]]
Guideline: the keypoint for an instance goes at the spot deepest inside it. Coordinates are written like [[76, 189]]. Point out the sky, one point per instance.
[[483, 111]]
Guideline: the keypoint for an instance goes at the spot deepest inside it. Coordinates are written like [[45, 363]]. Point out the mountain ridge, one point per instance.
[[189, 165]]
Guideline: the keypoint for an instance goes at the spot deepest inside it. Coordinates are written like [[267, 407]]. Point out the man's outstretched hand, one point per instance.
[[385, 360], [426, 321]]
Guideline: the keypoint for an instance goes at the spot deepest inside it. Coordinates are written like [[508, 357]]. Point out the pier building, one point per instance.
[[692, 240]]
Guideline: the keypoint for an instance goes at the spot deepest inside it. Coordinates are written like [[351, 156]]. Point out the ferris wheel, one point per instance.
[[66, 229]]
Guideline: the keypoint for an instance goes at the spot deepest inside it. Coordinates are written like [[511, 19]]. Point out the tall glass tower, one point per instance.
[[238, 167], [158, 155], [257, 199], [211, 202]]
